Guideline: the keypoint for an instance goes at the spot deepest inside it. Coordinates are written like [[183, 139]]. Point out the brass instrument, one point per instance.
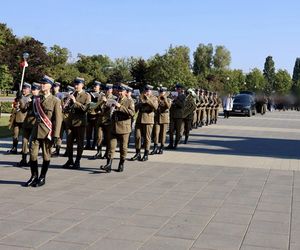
[[66, 106], [190, 105]]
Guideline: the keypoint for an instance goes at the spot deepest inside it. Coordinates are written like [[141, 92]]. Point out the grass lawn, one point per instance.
[[4, 131]]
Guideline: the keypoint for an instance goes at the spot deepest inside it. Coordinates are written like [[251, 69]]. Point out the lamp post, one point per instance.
[[24, 64]]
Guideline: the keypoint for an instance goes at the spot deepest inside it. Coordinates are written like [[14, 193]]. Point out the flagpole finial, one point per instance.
[[25, 55]]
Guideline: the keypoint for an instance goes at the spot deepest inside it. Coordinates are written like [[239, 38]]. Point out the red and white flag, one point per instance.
[[24, 64]]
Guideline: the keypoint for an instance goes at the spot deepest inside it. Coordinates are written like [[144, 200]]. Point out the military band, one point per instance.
[[110, 111]]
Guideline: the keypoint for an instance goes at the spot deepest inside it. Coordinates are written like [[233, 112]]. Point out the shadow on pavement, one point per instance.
[[247, 146], [21, 183]]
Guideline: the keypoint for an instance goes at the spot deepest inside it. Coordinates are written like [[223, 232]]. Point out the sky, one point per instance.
[[250, 29]]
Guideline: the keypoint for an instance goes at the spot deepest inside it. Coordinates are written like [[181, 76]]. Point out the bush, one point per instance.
[[5, 107]]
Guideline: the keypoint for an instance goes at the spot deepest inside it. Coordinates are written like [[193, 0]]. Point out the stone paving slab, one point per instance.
[[236, 185]]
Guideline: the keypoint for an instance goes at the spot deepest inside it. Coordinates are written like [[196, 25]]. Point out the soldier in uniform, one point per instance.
[[56, 90], [17, 117], [59, 95], [104, 121], [161, 121], [29, 121], [197, 111], [176, 117], [120, 128], [92, 117], [202, 112], [188, 113], [212, 108], [47, 109], [144, 123], [208, 108], [217, 102], [76, 122]]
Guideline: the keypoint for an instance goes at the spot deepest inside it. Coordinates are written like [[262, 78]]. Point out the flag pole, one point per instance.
[[25, 56], [22, 79]]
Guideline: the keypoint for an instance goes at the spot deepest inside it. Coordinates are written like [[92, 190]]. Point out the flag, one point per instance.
[[24, 64]]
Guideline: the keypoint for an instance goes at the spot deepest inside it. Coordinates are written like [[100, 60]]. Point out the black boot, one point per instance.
[[155, 149], [176, 144], [98, 155], [161, 150], [121, 165], [56, 152], [145, 157], [107, 167], [23, 162], [76, 165], [34, 179], [13, 150], [137, 155], [105, 154], [88, 145], [42, 179], [186, 139], [170, 146], [68, 164]]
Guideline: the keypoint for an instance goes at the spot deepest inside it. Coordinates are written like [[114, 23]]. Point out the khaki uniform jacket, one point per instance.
[[121, 117], [27, 108], [78, 114], [162, 114], [146, 110], [52, 108], [202, 102], [19, 115], [105, 112], [177, 107]]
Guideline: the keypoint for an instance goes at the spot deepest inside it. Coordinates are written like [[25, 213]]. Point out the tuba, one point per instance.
[[190, 104]]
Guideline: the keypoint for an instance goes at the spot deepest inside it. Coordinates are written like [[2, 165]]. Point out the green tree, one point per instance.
[[58, 55], [269, 74], [283, 82], [95, 66], [203, 58], [139, 70], [7, 39], [120, 70], [6, 78], [171, 67], [296, 78], [221, 58], [255, 80]]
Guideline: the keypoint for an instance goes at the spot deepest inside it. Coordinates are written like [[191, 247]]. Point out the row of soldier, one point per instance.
[[107, 115]]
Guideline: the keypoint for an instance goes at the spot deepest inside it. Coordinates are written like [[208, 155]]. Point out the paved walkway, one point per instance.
[[236, 185]]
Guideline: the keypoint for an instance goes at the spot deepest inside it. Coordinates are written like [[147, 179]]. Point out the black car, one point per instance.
[[244, 104]]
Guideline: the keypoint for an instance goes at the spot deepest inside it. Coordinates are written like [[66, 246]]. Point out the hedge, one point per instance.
[[5, 107]]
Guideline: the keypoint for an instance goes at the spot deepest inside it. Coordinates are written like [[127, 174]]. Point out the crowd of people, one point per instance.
[[102, 118]]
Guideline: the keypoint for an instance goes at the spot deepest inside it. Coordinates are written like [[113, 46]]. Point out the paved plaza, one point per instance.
[[236, 185]]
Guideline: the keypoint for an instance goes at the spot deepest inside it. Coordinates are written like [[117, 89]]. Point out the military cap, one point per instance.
[[162, 89], [47, 79], [122, 87], [129, 89], [78, 80], [97, 83], [179, 86], [148, 87], [35, 86], [26, 85], [56, 84], [108, 86]]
